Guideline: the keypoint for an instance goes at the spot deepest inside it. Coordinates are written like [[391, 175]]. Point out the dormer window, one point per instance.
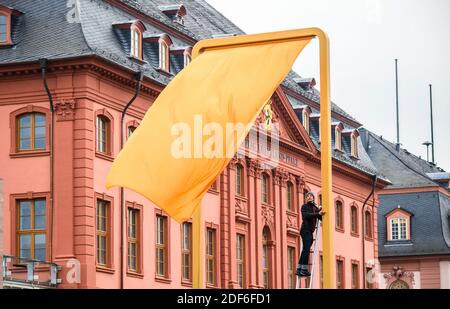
[[337, 127], [163, 56], [3, 28], [305, 117], [131, 32], [354, 139], [306, 84], [187, 55], [175, 12], [398, 225], [351, 140], [136, 43], [8, 16]]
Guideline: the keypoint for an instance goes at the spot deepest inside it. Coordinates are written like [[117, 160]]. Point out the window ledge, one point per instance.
[[167, 73], [140, 61], [135, 274], [104, 269], [104, 156], [368, 238], [241, 197], [291, 212], [211, 286], [340, 230], [354, 158], [163, 279], [339, 150], [186, 283], [354, 234], [25, 154], [213, 191]]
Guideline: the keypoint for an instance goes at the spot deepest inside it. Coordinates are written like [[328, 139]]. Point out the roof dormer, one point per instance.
[[303, 112], [336, 134], [305, 83], [175, 12], [180, 57], [159, 50], [8, 19], [131, 32], [351, 140]]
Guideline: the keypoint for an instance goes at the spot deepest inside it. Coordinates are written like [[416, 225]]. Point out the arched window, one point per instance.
[[136, 43], [3, 27], [305, 122], [354, 219], [163, 55], [290, 195], [266, 258], [31, 132], [354, 142], [368, 224], [339, 215], [239, 180], [265, 190], [338, 138]]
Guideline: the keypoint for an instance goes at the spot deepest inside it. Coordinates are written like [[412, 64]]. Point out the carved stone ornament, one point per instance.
[[65, 109]]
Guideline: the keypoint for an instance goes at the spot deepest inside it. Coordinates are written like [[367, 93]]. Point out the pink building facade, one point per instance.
[[57, 208]]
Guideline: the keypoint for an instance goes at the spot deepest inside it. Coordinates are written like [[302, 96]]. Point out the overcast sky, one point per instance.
[[366, 36]]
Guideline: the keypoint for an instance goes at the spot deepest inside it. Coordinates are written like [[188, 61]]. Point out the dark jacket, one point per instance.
[[310, 214]]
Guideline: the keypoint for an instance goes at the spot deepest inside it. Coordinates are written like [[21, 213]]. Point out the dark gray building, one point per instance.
[[413, 218]]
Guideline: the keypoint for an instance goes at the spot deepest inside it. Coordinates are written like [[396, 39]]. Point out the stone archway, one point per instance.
[[399, 284]]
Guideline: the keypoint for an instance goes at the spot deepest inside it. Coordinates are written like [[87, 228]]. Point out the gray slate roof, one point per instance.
[[430, 224], [402, 168]]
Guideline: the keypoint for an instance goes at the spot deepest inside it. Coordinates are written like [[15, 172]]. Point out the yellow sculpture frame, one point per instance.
[[325, 139]]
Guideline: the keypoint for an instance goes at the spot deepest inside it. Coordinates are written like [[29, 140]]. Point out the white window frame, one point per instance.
[[135, 43], [398, 222]]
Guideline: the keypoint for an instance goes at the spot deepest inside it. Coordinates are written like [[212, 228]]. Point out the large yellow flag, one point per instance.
[[182, 144]]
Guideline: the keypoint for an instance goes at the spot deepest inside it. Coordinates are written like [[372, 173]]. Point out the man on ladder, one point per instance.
[[310, 214]]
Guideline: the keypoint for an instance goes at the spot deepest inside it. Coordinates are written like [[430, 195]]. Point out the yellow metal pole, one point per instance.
[[325, 126], [326, 167], [197, 249]]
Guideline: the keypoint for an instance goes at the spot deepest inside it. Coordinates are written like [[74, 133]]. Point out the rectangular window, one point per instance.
[[239, 180], [103, 232], [339, 274], [31, 232], [161, 246], [163, 53], [211, 256], [186, 257], [133, 240], [240, 259], [291, 267], [321, 271], [355, 276], [265, 189], [102, 134], [290, 196]]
